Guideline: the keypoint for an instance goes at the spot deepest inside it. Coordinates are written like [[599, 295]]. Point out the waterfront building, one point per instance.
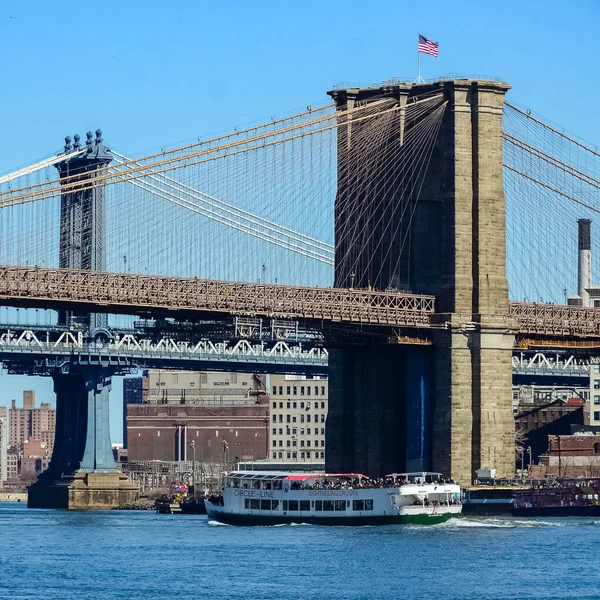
[[594, 395], [3, 446], [536, 424], [226, 415], [572, 456], [298, 413]]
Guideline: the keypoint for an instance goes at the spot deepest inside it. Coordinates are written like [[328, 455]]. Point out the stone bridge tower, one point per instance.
[[447, 407]]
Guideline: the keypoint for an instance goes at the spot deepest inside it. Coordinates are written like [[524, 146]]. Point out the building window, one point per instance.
[[597, 384], [294, 444], [322, 404], [281, 405], [274, 390], [596, 415], [288, 390], [294, 431], [322, 390], [301, 404], [322, 454], [294, 455], [308, 418], [274, 430], [289, 455], [288, 443], [308, 454], [301, 443], [281, 418], [280, 443], [293, 419], [301, 418], [274, 404], [281, 390], [295, 391], [288, 405], [302, 390], [308, 431], [322, 431], [301, 454], [308, 390], [308, 443], [274, 454], [280, 431], [596, 399], [322, 444], [280, 454], [287, 418], [295, 405]]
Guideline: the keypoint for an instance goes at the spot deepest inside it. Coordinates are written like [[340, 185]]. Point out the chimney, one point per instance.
[[584, 275]]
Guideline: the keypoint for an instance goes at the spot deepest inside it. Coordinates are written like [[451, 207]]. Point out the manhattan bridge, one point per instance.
[[417, 242]]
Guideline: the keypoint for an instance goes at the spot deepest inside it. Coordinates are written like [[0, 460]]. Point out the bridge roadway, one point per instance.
[[35, 349], [144, 294], [41, 349]]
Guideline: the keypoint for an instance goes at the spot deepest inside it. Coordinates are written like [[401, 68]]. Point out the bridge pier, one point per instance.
[[453, 246], [380, 407], [82, 473]]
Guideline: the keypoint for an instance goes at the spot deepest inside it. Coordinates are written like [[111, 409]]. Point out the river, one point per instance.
[[64, 555]]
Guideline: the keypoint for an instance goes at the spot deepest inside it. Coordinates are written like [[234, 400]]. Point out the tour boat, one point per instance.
[[272, 498]]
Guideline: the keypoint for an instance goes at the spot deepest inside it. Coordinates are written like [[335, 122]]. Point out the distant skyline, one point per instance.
[[153, 74]]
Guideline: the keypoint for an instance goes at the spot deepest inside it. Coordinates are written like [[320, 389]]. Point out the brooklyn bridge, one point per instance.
[[405, 238]]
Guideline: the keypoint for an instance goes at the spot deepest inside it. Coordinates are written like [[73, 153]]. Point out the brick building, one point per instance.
[[31, 422], [555, 418], [221, 432], [225, 414], [3, 445], [572, 456]]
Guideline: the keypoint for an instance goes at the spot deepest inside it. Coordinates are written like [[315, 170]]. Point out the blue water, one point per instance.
[[129, 555]]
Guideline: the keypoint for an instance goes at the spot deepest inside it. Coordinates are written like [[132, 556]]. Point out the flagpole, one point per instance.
[[418, 61]]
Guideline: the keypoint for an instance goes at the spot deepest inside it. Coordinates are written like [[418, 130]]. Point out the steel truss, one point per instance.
[[54, 347], [118, 292]]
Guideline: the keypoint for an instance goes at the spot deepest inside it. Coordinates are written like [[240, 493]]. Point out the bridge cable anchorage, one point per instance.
[[73, 184]]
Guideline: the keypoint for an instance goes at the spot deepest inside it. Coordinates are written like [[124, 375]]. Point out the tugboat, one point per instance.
[[262, 498]]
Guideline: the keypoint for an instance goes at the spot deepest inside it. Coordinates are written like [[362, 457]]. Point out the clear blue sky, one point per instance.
[[156, 73]]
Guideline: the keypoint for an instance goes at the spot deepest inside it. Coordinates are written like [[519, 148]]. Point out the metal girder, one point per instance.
[[106, 292]]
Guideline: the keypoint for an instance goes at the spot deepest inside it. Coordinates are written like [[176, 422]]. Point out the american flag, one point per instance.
[[427, 46]]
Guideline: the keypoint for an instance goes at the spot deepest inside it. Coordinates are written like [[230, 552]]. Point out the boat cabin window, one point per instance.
[[293, 504], [261, 504], [328, 505], [340, 505], [358, 505], [318, 505], [255, 484], [304, 505]]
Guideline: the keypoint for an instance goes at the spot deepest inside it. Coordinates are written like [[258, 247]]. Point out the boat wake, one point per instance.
[[496, 523], [218, 524]]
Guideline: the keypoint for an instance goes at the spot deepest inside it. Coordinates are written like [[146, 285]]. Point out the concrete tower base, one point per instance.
[[83, 491]]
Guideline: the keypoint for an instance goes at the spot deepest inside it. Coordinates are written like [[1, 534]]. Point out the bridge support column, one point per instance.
[[452, 247], [82, 473], [379, 409]]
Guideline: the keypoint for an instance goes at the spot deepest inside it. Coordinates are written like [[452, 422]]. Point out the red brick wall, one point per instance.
[[151, 431]]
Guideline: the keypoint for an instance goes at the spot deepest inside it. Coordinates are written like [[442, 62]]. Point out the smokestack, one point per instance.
[[584, 276]]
